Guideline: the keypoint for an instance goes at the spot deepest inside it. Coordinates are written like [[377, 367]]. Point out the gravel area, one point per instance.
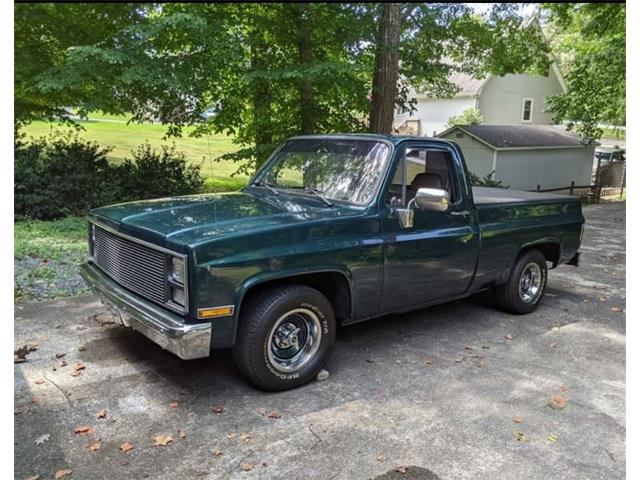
[[38, 279]]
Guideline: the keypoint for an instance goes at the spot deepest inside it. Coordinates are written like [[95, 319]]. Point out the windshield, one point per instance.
[[339, 169]]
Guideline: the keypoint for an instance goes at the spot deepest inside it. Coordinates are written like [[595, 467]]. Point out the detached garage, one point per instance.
[[525, 156]]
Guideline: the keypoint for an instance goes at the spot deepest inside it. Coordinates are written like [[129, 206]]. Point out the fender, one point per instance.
[[270, 276], [540, 241]]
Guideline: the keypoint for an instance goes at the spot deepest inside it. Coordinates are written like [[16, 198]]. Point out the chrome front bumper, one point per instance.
[[186, 340]]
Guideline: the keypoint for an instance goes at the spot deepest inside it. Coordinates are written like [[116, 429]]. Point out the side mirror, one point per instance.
[[432, 199]]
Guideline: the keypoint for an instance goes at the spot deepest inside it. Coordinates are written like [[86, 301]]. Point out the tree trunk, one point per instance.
[[305, 87], [385, 76]]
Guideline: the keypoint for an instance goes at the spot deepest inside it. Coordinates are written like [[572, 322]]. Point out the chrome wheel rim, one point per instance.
[[293, 340], [530, 285]]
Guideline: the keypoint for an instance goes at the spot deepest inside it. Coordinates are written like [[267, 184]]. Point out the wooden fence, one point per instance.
[[590, 193]]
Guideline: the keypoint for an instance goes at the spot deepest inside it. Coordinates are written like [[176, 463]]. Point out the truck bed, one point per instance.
[[501, 196]]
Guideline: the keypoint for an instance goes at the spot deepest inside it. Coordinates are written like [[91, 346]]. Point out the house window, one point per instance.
[[527, 109]]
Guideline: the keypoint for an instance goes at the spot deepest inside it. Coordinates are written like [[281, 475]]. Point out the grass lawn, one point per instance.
[[113, 131]]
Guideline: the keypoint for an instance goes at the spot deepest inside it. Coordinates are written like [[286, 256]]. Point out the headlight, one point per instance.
[[177, 270], [177, 295]]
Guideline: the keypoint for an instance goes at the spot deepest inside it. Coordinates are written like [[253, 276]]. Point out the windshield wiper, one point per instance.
[[318, 193], [265, 184]]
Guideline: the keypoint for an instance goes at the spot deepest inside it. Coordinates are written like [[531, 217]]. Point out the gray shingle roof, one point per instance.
[[521, 136]]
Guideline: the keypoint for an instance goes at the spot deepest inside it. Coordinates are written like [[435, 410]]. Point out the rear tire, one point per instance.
[[525, 287], [285, 336]]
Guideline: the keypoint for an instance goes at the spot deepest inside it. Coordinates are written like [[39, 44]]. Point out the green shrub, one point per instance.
[[152, 174], [60, 175], [486, 181], [63, 175]]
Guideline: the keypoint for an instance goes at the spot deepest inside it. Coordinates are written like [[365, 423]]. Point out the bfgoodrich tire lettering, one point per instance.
[[285, 336], [525, 287]]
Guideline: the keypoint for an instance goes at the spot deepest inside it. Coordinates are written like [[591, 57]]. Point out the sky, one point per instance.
[[527, 8]]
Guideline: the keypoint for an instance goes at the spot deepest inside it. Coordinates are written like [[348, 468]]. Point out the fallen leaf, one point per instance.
[[401, 469], [552, 438], [173, 405], [95, 446], [41, 439], [557, 402], [217, 452], [616, 309], [459, 359], [428, 362], [381, 457], [39, 381], [83, 430], [517, 419], [273, 414], [82, 348], [521, 437], [247, 467], [182, 434], [125, 447], [246, 437], [555, 328], [162, 440], [184, 391], [32, 345], [20, 354], [33, 477], [553, 345], [231, 434], [468, 347], [508, 337], [101, 414], [63, 473], [485, 347], [217, 409], [77, 369]]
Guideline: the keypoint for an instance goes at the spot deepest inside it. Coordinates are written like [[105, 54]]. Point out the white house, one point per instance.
[[508, 100], [524, 157]]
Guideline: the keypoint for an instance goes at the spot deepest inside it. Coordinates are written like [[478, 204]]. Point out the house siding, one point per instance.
[[549, 168], [434, 113], [501, 98], [478, 156]]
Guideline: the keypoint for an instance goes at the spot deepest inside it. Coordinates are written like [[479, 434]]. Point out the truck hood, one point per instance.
[[187, 221]]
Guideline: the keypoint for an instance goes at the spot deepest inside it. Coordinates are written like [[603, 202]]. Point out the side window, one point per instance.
[[527, 109], [422, 168]]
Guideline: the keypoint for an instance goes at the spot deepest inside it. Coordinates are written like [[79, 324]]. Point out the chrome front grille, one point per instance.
[[137, 267]]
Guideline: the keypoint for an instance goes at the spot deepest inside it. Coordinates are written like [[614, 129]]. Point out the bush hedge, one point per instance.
[[63, 175]]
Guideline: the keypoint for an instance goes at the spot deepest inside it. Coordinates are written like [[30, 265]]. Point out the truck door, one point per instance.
[[435, 259]]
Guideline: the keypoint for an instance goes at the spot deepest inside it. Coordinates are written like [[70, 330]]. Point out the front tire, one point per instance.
[[525, 287], [285, 336]]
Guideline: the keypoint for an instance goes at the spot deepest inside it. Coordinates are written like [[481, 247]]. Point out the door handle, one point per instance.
[[461, 213]]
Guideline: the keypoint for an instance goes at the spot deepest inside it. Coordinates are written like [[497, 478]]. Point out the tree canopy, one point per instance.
[[265, 71], [589, 40]]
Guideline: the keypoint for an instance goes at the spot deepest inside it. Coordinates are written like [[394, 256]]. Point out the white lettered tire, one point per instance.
[[285, 336]]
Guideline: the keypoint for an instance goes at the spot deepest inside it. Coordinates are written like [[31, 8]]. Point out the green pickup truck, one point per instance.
[[331, 230]]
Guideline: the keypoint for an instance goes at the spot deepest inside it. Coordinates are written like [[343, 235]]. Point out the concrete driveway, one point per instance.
[[436, 391]]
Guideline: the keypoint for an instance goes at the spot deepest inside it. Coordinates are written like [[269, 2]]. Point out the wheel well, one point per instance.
[[550, 250], [333, 285]]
